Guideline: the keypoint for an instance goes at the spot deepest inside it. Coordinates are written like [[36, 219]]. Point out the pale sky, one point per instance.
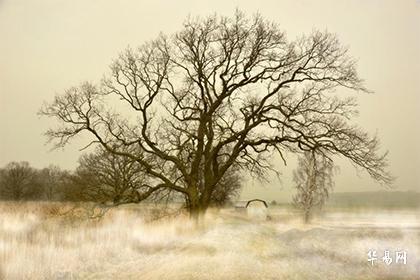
[[47, 46]]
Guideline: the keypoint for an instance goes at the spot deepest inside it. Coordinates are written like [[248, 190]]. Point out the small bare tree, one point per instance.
[[105, 177], [52, 182], [222, 92], [228, 188], [18, 181], [313, 179]]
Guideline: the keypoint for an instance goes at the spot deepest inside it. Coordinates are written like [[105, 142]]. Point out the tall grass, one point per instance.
[[38, 241]]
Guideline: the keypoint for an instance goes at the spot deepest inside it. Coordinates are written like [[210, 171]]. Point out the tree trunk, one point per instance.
[[307, 217], [196, 209], [197, 212], [197, 204]]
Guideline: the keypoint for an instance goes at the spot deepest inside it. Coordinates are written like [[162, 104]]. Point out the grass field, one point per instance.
[[38, 242]]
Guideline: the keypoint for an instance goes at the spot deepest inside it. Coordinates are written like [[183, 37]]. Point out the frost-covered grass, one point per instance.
[[36, 243]]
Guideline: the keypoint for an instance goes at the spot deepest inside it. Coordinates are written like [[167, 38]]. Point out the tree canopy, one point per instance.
[[221, 92]]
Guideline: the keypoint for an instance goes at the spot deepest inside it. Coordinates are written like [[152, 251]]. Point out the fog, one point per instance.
[[37, 243], [48, 46]]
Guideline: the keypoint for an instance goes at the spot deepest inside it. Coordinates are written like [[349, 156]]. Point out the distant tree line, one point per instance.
[[100, 177], [20, 181]]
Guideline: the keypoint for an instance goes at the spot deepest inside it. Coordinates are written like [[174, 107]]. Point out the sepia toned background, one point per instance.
[[48, 46]]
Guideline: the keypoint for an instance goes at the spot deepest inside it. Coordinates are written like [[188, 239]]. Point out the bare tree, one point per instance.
[[228, 188], [18, 181], [222, 92], [105, 177], [313, 178], [53, 181]]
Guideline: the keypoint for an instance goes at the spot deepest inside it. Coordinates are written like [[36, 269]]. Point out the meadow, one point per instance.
[[47, 241]]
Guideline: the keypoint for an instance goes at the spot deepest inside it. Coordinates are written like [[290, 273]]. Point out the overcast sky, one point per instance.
[[47, 46]]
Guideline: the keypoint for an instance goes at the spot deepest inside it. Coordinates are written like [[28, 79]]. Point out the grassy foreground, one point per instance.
[[38, 242]]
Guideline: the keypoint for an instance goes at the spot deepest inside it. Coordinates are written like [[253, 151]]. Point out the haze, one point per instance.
[[48, 46]]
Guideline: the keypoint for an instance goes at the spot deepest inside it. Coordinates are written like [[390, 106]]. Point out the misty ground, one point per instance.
[[43, 241]]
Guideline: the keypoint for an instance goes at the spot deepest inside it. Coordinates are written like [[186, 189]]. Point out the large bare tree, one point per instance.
[[222, 92]]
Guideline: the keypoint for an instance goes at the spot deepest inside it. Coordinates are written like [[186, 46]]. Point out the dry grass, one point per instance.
[[38, 242]]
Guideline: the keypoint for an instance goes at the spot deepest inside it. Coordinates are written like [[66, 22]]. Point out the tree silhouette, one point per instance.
[[313, 179], [19, 181], [222, 92], [108, 178]]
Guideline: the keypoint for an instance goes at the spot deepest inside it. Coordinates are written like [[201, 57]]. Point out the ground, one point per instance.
[[37, 241]]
